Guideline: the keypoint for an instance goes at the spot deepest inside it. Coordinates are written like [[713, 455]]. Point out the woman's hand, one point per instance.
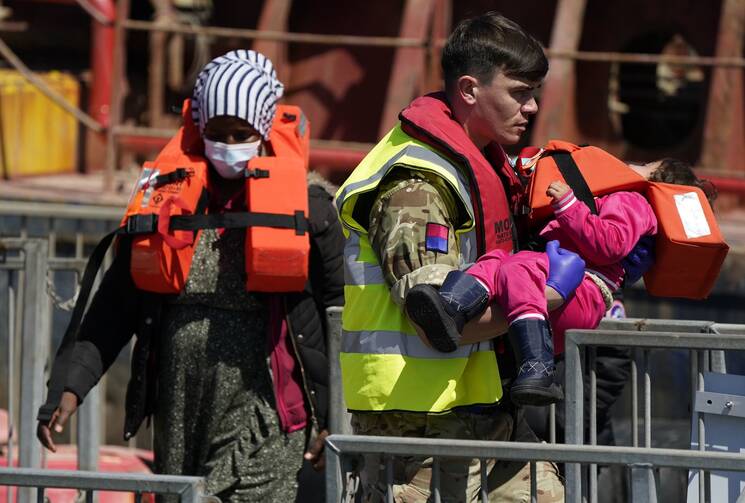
[[67, 407], [315, 453]]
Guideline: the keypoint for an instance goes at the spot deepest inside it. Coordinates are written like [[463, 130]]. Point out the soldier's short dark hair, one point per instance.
[[481, 45]]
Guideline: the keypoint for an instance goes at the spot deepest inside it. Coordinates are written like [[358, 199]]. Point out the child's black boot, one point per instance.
[[534, 350], [443, 314]]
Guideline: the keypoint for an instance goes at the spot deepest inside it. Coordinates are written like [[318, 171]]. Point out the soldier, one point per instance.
[[435, 194]]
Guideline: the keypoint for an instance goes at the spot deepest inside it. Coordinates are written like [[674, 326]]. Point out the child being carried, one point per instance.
[[518, 282]]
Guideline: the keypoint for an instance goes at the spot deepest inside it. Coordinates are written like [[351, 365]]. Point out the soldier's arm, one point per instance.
[[410, 205], [406, 202]]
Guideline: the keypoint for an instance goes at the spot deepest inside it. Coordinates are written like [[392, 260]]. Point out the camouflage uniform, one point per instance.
[[408, 200]]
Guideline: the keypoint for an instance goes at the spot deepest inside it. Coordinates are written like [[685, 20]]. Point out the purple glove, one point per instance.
[[639, 260], [565, 269]]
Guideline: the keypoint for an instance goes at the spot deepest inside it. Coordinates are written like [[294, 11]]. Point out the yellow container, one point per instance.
[[38, 137]]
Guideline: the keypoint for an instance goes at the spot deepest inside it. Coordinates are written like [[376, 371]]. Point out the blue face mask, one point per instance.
[[230, 161]]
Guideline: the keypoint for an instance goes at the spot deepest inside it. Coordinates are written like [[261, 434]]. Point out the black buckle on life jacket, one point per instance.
[[174, 176], [257, 173], [301, 223], [142, 224]]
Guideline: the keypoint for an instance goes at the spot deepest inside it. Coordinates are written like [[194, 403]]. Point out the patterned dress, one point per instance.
[[215, 412]]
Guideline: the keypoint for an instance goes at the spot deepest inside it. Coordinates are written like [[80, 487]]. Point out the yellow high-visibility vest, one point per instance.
[[384, 364]]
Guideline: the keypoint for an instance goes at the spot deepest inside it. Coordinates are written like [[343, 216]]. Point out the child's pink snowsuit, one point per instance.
[[518, 281]]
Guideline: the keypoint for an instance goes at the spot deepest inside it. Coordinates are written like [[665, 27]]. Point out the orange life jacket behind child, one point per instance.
[[689, 249], [168, 208]]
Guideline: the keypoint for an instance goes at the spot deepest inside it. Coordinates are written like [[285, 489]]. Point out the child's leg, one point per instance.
[[583, 310], [463, 296], [520, 286], [520, 292], [486, 269]]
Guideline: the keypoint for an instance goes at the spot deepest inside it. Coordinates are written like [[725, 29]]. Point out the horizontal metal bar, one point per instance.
[[12, 264], [324, 39], [655, 325], [526, 451], [656, 339], [277, 36], [60, 211], [728, 328], [8, 26], [145, 132], [647, 59], [68, 479], [67, 264], [126, 133], [722, 404], [13, 243]]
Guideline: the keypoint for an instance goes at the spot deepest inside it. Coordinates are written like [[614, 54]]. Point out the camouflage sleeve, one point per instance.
[[407, 203]]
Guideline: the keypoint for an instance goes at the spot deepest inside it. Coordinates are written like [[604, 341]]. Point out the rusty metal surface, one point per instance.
[[102, 52], [557, 116], [724, 134], [274, 17], [164, 15], [118, 89], [324, 74], [408, 64], [442, 24]]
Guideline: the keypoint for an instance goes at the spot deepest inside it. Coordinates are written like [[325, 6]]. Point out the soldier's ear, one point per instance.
[[467, 88]]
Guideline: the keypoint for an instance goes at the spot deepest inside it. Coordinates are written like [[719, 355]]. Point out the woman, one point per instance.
[[236, 380]]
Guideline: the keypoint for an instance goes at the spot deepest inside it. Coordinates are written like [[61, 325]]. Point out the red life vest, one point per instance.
[[689, 248], [430, 120], [168, 208]]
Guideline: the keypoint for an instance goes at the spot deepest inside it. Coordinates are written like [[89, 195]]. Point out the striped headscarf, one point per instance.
[[241, 84]]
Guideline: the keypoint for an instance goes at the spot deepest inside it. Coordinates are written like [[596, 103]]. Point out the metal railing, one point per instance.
[[29, 316], [30, 319], [698, 337], [342, 458], [705, 340], [188, 489], [33, 269]]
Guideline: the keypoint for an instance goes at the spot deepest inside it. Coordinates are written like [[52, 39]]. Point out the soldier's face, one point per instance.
[[502, 108]]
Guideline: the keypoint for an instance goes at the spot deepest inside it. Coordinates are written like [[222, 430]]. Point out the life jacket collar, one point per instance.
[[430, 120]]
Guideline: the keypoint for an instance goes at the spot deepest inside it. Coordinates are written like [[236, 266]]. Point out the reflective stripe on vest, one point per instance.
[[385, 366]]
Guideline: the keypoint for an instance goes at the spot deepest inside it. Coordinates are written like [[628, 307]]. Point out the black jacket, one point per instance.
[[119, 310]]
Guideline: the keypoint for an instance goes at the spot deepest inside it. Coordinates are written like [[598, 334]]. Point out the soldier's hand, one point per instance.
[[68, 405]]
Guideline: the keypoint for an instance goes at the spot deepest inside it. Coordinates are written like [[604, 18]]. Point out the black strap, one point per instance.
[[63, 356], [172, 177], [295, 221], [573, 176]]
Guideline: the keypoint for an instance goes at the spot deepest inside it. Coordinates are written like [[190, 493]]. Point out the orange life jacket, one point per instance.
[[168, 208], [689, 247]]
